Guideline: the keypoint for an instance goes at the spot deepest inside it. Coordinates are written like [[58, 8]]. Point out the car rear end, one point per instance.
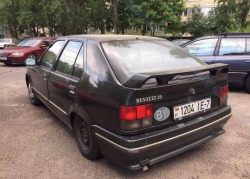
[[171, 102]]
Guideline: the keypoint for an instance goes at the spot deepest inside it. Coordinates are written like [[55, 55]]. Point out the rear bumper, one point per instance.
[[133, 152]]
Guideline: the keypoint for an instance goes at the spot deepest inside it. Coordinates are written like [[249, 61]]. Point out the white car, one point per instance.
[[6, 42]]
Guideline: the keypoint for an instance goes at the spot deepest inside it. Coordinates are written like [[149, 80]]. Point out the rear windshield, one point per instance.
[[140, 56]]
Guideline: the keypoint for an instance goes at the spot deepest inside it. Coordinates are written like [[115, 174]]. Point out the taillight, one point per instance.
[[136, 117], [223, 95]]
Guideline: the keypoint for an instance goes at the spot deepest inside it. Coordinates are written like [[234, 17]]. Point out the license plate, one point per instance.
[[3, 58], [191, 108]]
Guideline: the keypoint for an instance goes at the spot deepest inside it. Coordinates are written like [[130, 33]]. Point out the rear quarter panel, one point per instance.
[[99, 92]]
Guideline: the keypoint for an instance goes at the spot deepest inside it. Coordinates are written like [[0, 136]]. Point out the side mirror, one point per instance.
[[30, 62], [45, 44]]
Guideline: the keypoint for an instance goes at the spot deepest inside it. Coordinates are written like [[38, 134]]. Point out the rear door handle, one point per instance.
[[72, 89], [248, 61], [45, 77]]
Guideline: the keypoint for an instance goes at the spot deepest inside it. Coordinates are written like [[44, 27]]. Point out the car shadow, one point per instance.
[[237, 89], [13, 65]]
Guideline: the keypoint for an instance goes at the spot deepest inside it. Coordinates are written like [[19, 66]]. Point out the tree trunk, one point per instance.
[[15, 32], [102, 27], [30, 32], [34, 30], [144, 30], [10, 29], [152, 30], [115, 4], [49, 25]]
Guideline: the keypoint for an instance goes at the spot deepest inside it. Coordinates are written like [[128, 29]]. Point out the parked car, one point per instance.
[[180, 41], [135, 100], [28, 48], [7, 42], [229, 48]]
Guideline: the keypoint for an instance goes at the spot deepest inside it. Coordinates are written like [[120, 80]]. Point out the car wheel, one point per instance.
[[33, 99], [248, 84], [31, 56], [8, 64], [85, 139], [5, 46]]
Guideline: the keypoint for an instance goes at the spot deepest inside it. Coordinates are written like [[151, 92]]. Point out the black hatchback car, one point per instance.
[[229, 48], [135, 100]]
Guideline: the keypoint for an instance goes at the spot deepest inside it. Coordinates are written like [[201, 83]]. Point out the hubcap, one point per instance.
[[84, 132], [31, 94], [32, 56]]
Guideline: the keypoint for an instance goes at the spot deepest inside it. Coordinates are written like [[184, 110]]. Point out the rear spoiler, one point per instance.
[[138, 80]]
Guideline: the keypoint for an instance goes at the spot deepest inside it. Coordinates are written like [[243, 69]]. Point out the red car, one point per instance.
[[28, 48]]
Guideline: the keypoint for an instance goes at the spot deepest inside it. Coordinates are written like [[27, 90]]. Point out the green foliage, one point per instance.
[[101, 15], [231, 16], [198, 24], [8, 13], [152, 13]]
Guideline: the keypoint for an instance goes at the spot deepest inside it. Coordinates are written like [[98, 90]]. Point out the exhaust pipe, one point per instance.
[[145, 168]]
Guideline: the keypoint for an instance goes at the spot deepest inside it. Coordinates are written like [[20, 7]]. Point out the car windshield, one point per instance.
[[141, 56], [4, 40], [29, 42]]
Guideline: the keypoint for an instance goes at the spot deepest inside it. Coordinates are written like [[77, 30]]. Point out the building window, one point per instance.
[[158, 28], [184, 13], [205, 10], [187, 12]]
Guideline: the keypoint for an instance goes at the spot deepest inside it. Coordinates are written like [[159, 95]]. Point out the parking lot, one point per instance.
[[35, 144]]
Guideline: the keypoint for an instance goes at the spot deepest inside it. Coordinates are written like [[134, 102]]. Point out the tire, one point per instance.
[[33, 99], [31, 56], [248, 84], [86, 139], [8, 64]]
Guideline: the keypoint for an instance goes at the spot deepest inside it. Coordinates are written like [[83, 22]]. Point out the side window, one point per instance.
[[78, 68], [248, 46], [232, 46], [50, 55], [66, 62], [202, 47]]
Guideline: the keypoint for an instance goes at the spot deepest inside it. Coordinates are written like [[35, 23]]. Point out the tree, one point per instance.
[[152, 13], [242, 12], [198, 24], [115, 7], [8, 13], [123, 17], [225, 14], [101, 15]]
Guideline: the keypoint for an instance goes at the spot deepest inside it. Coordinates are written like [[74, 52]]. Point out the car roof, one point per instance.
[[225, 35], [181, 40], [103, 37], [233, 34], [41, 38]]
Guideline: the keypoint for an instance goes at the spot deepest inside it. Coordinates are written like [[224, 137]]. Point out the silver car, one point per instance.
[[6, 42]]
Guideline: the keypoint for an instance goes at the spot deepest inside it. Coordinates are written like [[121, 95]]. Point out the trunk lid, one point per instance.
[[169, 91]]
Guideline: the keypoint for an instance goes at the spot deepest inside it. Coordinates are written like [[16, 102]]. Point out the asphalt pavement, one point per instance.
[[34, 144]]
